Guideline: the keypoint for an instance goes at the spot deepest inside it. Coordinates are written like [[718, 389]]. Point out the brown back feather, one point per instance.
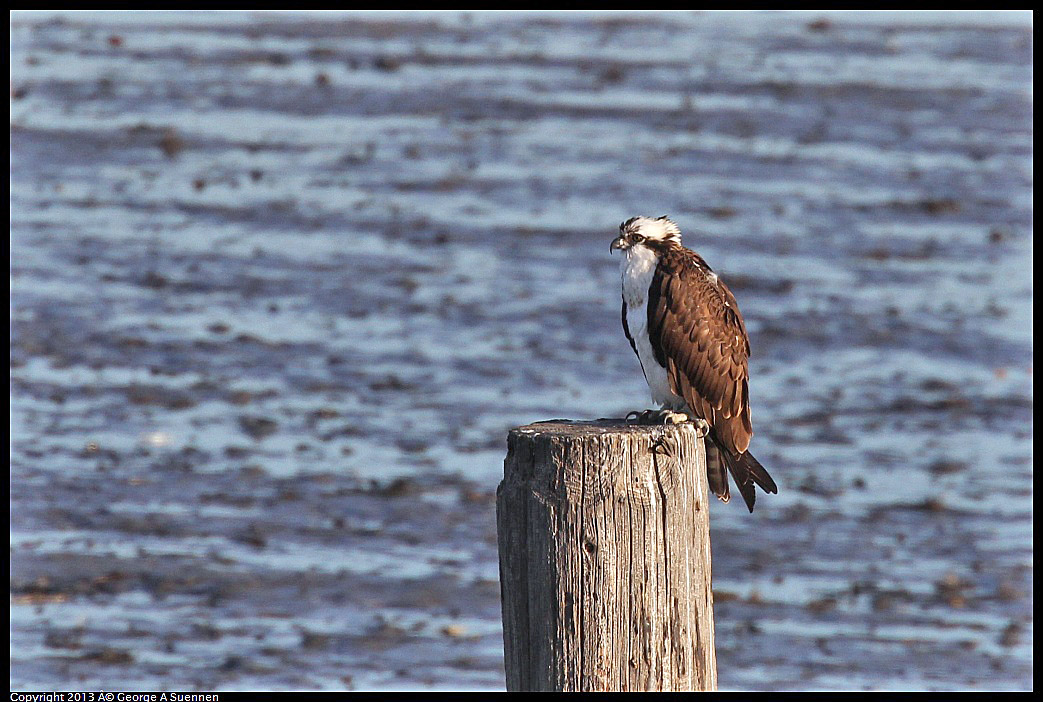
[[702, 343]]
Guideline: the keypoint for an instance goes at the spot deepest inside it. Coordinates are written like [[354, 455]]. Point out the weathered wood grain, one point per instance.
[[605, 558]]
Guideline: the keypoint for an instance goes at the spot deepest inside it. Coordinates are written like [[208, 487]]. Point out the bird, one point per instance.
[[684, 324]]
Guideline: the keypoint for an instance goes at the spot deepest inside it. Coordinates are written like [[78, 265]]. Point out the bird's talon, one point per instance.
[[657, 417]]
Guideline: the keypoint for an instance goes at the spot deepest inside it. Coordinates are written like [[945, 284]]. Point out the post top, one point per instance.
[[594, 427], [599, 459]]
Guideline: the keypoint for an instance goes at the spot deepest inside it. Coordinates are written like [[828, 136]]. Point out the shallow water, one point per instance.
[[280, 284]]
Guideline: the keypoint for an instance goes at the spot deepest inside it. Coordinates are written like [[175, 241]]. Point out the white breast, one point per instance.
[[636, 271]]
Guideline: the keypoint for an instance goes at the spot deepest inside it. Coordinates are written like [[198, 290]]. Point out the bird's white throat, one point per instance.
[[636, 270]]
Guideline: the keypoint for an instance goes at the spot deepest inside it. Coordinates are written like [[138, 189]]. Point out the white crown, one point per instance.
[[660, 228]]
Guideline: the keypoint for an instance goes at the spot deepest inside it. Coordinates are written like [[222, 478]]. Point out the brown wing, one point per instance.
[[699, 335]]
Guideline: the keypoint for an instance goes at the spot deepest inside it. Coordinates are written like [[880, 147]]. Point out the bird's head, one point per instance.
[[646, 230]]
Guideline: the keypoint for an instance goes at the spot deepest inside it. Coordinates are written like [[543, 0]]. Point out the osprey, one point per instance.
[[685, 327]]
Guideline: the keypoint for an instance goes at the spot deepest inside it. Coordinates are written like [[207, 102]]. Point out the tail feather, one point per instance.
[[759, 474], [716, 473], [746, 471]]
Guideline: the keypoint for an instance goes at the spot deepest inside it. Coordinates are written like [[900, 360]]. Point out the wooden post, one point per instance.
[[604, 538]]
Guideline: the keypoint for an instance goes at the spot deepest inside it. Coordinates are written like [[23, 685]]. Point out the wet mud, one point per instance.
[[280, 284]]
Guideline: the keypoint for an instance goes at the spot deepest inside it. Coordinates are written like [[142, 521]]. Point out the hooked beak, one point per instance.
[[617, 243]]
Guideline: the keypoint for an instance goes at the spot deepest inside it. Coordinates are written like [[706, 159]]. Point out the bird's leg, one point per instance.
[[660, 416], [666, 416]]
